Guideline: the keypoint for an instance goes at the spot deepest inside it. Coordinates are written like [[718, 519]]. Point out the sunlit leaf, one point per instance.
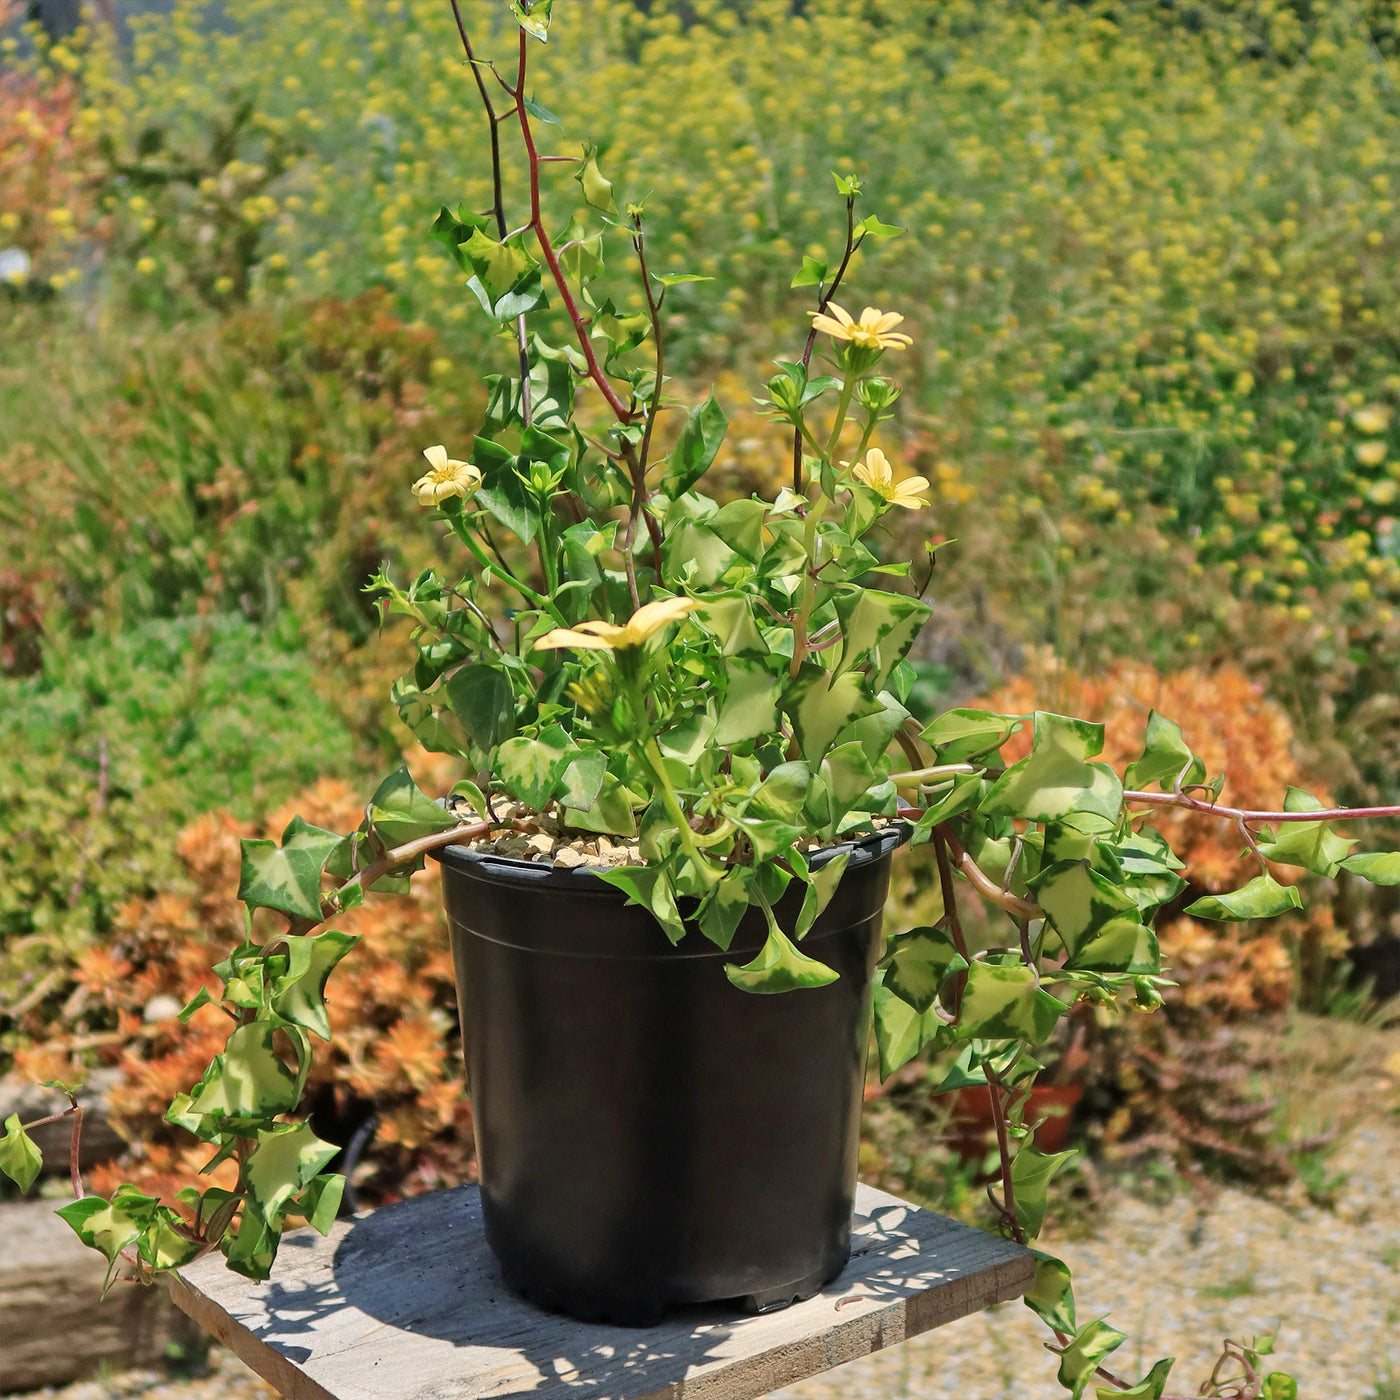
[[779, 967], [20, 1158], [1261, 898]]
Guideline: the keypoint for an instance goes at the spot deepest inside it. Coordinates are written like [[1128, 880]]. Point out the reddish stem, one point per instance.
[[1237, 814], [595, 370]]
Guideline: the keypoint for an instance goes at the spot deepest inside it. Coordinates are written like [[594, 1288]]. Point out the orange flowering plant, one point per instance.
[[693, 697]]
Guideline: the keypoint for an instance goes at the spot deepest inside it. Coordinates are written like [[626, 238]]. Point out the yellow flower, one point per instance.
[[1370, 454], [1373, 419], [607, 636], [447, 478], [876, 473], [874, 331]]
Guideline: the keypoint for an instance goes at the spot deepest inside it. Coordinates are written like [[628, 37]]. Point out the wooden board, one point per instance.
[[406, 1304], [52, 1327]]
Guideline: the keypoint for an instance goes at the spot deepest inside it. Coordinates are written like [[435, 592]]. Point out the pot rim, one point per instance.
[[508, 870]]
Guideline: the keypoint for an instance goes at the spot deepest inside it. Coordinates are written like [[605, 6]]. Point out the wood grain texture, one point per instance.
[[406, 1304], [53, 1329]]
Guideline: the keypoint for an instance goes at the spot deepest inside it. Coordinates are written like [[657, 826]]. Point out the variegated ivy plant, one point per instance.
[[722, 682]]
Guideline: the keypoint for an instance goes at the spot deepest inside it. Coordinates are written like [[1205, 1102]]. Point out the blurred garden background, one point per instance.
[[1151, 266]]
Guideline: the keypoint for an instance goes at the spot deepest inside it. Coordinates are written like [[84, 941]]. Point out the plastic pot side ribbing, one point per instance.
[[647, 1134]]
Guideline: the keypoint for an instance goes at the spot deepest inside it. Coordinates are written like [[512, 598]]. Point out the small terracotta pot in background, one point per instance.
[[1050, 1111]]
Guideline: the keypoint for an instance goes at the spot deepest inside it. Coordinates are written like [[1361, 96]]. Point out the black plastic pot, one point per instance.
[[647, 1134]]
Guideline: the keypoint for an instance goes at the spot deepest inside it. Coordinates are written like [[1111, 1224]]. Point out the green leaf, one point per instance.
[[812, 273], [532, 770], [847, 777], [1278, 1385], [1312, 845], [109, 1226], [533, 17], [453, 230], [540, 114], [248, 1080], [821, 705], [1051, 1296], [319, 1203], [961, 735], [400, 811], [597, 191], [506, 279], [878, 625], [1380, 867], [783, 792], [1006, 1003], [873, 228], [290, 880], [1079, 901], [649, 886], [611, 811], [846, 185], [583, 780], [284, 1161], [918, 963], [1165, 758], [740, 525], [964, 793], [1054, 780], [482, 699], [730, 620], [821, 885], [20, 1158], [779, 967], [1080, 1359], [1261, 898], [675, 279], [695, 449], [727, 904], [300, 995], [750, 708], [502, 490], [1151, 1386], [900, 1031]]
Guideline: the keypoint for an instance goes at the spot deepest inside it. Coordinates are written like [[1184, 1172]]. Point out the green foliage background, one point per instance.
[[1149, 265]]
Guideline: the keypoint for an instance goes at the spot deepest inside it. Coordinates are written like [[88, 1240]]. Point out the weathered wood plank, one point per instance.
[[52, 1327], [406, 1304]]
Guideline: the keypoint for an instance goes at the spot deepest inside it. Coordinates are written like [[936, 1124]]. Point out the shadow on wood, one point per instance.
[[407, 1304]]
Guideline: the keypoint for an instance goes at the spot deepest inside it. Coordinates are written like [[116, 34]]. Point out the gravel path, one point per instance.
[[1178, 1284], [1175, 1279]]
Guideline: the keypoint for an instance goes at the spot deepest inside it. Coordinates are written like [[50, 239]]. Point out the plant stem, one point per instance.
[[852, 243], [843, 407], [1237, 814], [595, 370], [493, 122], [950, 911], [1008, 1192], [809, 586]]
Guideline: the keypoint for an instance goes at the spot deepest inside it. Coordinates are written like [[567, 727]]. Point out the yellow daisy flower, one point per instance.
[[448, 477], [1370, 454], [874, 331], [876, 473], [607, 636]]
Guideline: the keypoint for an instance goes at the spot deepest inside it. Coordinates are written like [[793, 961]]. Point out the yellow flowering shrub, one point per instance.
[[1148, 263], [45, 201]]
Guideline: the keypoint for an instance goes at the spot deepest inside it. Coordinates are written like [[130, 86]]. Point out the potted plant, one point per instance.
[[689, 759]]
